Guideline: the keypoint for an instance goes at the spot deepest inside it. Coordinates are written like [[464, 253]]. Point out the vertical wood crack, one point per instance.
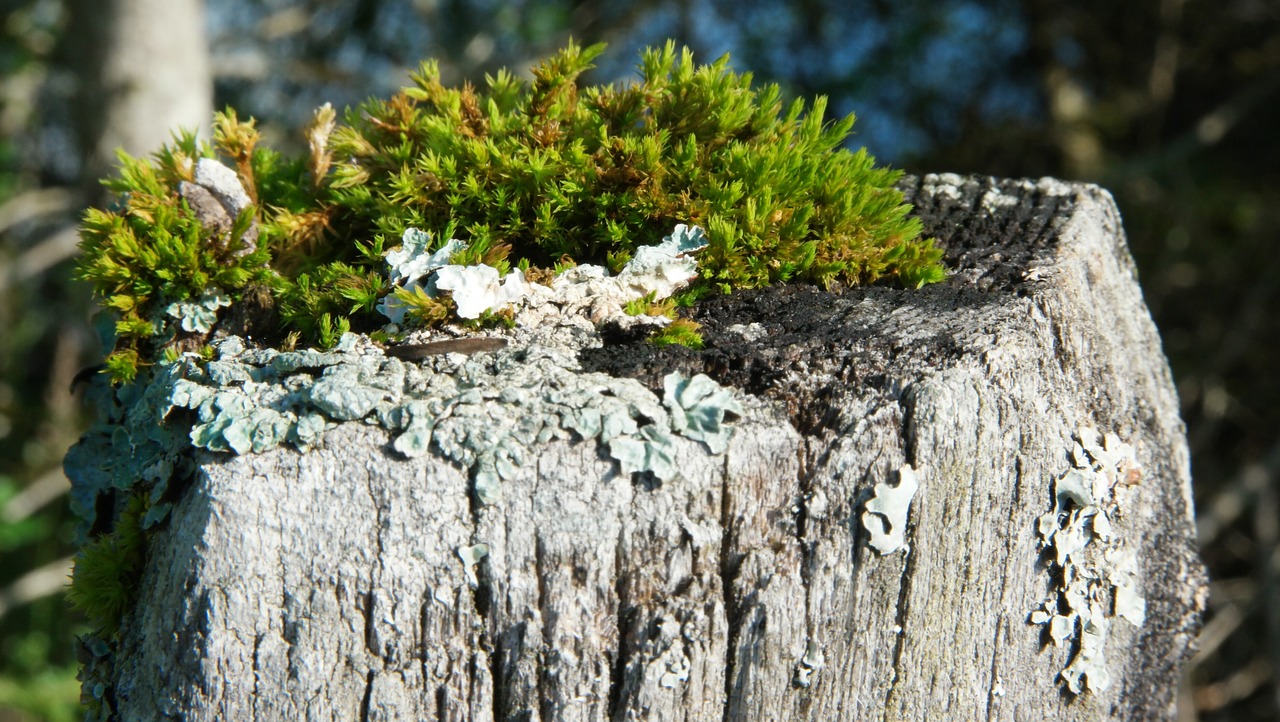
[[367, 699], [728, 572], [543, 684], [804, 487], [370, 597], [900, 619], [1001, 622], [618, 666], [907, 402]]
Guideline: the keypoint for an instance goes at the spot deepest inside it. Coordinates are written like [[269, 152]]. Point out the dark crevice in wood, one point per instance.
[[900, 621], [1002, 625], [367, 699], [623, 650], [728, 573], [907, 433], [369, 632], [257, 670], [288, 633], [499, 706], [907, 403], [490, 642], [473, 496], [370, 599], [804, 487], [543, 693]]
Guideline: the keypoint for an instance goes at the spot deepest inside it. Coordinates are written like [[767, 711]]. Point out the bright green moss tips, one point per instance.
[[550, 169], [680, 332], [648, 305], [535, 175], [182, 234]]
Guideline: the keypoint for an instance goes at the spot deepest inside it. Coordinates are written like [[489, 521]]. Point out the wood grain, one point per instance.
[[328, 585]]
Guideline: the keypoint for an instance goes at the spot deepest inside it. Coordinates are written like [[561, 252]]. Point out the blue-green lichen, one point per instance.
[[201, 314], [486, 413], [1095, 571]]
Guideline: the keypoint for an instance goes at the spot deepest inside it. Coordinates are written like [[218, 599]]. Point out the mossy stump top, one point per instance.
[[641, 402]]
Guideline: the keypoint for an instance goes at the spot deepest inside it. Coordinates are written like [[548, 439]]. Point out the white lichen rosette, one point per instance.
[[659, 270]]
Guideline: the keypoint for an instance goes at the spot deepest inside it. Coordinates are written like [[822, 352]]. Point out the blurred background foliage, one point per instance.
[[1173, 105]]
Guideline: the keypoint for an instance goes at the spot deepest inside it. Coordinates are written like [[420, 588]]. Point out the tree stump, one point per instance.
[[352, 581]]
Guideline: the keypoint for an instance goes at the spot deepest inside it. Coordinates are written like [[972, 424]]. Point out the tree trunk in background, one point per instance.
[[350, 583], [144, 70]]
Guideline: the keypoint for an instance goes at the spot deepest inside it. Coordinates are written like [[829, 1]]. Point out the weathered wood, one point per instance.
[[330, 584]]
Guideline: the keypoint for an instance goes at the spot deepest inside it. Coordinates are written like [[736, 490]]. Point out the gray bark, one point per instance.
[[329, 584], [144, 71]]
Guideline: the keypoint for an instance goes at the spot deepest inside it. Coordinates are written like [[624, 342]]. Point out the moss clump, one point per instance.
[[152, 251], [648, 305], [104, 582], [537, 175], [680, 332]]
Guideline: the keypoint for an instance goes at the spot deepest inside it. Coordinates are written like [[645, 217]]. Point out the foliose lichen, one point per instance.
[[656, 272], [1095, 572], [201, 314], [886, 516], [534, 206], [487, 413]]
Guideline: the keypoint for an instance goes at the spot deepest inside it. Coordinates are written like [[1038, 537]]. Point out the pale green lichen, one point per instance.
[[480, 288], [664, 268], [886, 516], [201, 314], [652, 450], [1096, 573], [415, 260], [485, 413], [699, 407], [471, 557]]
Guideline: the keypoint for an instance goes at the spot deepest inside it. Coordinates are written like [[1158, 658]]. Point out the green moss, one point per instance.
[[104, 581], [537, 175], [151, 252], [680, 332], [648, 305]]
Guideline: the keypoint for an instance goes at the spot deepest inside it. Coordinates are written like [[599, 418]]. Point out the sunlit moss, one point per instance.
[[539, 175], [680, 332]]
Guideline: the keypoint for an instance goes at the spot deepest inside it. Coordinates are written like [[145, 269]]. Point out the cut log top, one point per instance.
[[662, 571]]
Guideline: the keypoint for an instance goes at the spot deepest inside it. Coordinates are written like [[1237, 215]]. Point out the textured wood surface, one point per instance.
[[330, 585]]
